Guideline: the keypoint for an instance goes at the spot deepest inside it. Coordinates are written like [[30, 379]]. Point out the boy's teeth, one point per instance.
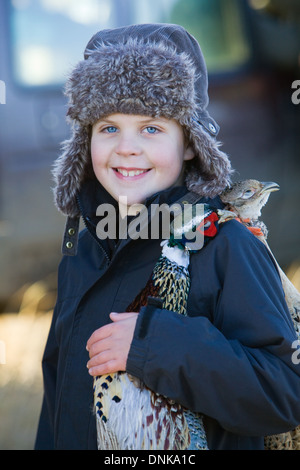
[[131, 172]]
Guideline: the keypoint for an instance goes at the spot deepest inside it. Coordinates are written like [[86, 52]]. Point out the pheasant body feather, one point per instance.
[[139, 419]]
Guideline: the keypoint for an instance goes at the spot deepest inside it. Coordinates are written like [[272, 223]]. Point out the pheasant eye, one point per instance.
[[247, 194]]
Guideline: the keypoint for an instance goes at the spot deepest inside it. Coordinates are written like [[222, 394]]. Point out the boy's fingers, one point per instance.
[[109, 367], [106, 363], [106, 330], [99, 359], [98, 335], [122, 316], [99, 347]]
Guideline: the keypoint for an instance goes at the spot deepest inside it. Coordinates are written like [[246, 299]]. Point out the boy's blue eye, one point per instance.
[[151, 130], [110, 129]]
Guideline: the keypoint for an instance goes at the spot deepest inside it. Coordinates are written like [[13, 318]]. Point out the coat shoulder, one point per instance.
[[234, 243], [236, 235]]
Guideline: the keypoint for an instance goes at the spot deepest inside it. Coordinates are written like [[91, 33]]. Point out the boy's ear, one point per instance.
[[189, 153]]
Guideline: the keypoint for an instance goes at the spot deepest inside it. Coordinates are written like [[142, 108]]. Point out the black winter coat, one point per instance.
[[230, 359]]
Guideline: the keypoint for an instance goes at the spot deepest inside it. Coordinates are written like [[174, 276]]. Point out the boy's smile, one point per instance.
[[137, 156], [129, 172]]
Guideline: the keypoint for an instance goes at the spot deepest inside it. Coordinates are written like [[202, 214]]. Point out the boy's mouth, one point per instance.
[[130, 172]]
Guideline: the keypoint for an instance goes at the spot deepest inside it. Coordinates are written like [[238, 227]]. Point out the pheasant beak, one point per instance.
[[269, 187]]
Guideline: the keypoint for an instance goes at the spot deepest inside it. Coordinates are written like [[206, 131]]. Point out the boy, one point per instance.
[[142, 135]]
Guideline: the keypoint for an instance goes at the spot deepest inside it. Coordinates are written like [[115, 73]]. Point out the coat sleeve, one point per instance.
[[233, 361]]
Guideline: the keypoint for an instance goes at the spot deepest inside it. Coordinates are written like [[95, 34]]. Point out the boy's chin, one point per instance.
[[131, 200], [129, 206]]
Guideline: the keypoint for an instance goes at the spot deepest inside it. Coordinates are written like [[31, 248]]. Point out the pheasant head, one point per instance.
[[247, 198]]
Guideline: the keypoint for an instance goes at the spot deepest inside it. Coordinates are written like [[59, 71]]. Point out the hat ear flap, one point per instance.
[[211, 170], [69, 170]]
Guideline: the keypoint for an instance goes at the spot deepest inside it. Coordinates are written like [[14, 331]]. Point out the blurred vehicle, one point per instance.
[[252, 52]]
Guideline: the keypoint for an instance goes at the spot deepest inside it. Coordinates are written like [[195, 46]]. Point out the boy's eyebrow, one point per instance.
[[104, 120], [143, 120], [151, 119]]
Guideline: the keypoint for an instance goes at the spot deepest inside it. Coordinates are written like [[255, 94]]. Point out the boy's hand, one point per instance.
[[109, 346]]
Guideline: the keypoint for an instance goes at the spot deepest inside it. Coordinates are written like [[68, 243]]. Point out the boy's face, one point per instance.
[[137, 156]]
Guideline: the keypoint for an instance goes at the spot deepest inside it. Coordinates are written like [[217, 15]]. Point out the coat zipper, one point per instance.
[[87, 222]]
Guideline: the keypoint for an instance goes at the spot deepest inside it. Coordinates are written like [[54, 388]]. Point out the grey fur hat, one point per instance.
[[150, 69]]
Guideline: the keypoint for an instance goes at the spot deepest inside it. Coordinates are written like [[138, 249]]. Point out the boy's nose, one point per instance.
[[127, 145]]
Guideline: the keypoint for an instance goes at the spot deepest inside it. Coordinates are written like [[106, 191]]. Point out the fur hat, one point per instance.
[[150, 69]]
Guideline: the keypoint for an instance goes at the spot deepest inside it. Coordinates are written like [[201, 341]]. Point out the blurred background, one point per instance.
[[252, 49]]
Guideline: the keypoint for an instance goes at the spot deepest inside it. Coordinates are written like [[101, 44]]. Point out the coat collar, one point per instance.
[[92, 194]]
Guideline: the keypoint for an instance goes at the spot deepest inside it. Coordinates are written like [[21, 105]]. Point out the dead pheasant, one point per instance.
[[246, 199], [129, 415]]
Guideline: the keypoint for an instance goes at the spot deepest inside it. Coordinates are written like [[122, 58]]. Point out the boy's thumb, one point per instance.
[[121, 316]]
